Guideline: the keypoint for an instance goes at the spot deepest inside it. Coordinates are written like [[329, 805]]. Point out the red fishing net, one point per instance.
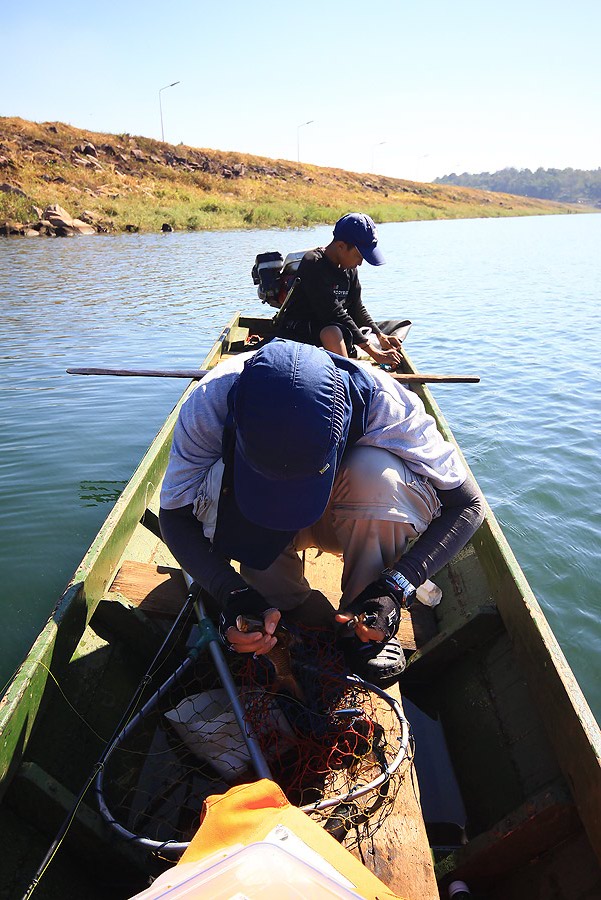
[[339, 752]]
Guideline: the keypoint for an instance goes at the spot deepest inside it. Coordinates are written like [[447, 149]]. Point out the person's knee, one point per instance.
[[375, 483], [176, 524], [371, 475], [332, 339]]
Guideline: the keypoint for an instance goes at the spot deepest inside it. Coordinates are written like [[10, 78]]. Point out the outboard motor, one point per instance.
[[288, 274], [276, 276], [266, 274]]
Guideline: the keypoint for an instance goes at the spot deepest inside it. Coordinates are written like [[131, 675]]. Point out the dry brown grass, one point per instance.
[[144, 183]]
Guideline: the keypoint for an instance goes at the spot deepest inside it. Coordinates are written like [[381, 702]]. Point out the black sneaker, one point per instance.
[[380, 664]]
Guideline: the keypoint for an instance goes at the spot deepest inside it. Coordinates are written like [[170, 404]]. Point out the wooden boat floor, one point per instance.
[[149, 580], [399, 852]]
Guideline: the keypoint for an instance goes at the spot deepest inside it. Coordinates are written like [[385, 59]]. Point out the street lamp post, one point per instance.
[[161, 107], [373, 152], [302, 125]]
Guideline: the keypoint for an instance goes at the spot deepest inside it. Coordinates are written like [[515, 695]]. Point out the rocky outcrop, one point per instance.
[[64, 224], [17, 228], [86, 149], [11, 189], [54, 221]]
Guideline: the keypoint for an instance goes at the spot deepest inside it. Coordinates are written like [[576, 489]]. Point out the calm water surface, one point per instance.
[[516, 301]]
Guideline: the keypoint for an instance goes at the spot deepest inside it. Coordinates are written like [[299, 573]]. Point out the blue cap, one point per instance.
[[292, 415], [360, 231]]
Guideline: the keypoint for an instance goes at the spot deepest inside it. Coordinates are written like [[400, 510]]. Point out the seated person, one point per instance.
[[325, 308]]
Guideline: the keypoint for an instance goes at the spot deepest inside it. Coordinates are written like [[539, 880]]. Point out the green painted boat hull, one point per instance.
[[521, 742]]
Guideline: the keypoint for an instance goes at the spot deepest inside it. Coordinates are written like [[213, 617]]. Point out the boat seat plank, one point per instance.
[[156, 590], [536, 827], [42, 800], [472, 630], [568, 871], [418, 627]]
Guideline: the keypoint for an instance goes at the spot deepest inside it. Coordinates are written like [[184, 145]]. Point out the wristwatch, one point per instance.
[[400, 585]]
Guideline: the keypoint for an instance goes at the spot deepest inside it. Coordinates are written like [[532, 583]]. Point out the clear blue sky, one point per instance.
[[410, 89]]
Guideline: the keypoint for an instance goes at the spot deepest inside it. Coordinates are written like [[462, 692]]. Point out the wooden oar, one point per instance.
[[199, 373], [146, 373], [420, 378]]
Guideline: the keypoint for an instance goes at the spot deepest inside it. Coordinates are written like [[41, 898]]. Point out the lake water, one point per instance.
[[515, 301]]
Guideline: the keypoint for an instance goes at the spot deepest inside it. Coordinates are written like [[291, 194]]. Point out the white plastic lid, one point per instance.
[[457, 887], [260, 871]]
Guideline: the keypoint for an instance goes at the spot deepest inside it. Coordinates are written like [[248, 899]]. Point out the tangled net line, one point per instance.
[[336, 753]]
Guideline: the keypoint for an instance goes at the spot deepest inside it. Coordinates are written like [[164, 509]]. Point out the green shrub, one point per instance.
[[15, 208]]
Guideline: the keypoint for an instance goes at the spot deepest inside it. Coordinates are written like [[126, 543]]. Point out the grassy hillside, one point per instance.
[[120, 182]]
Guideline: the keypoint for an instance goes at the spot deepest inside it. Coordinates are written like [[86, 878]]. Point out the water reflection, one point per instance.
[[94, 493]]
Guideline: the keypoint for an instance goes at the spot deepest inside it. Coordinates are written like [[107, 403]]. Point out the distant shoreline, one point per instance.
[[119, 183]]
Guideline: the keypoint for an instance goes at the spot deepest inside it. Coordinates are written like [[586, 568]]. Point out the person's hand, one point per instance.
[[388, 357], [375, 614], [257, 642], [246, 602], [365, 633], [389, 342]]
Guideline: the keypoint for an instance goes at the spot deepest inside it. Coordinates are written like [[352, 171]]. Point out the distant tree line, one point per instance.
[[563, 185]]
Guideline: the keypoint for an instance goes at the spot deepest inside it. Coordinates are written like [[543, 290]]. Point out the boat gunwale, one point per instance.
[[21, 703], [530, 635]]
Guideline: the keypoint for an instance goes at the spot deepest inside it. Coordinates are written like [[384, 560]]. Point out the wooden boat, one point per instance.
[[507, 750]]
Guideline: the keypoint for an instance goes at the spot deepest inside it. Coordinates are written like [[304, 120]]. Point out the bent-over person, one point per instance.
[[290, 447]]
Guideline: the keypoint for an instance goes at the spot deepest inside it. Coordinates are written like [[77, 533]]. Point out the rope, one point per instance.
[[154, 667]]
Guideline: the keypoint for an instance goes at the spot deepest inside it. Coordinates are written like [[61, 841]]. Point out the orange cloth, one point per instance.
[[249, 812]]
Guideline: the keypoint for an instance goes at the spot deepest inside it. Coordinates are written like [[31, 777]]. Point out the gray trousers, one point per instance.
[[377, 506]]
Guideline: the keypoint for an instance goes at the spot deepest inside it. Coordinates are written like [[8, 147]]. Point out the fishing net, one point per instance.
[[335, 750]]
